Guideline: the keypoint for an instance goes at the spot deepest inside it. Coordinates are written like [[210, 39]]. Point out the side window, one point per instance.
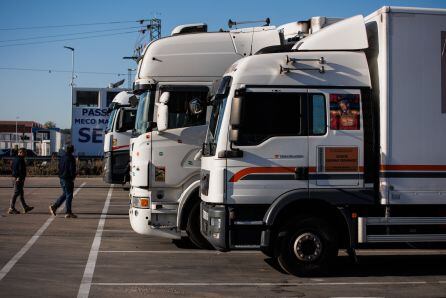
[[87, 99], [128, 121], [265, 115], [318, 120], [344, 112], [187, 108]]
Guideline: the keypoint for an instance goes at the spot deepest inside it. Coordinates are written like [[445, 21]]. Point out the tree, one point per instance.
[[66, 131], [49, 124]]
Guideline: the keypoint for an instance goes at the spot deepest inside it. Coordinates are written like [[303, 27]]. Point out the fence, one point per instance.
[[48, 166]]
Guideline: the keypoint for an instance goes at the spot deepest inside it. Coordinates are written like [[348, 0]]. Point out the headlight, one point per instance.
[[140, 202], [216, 222]]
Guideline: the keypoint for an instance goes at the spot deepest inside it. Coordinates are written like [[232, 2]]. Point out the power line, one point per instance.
[[74, 25], [61, 71], [69, 34], [67, 39]]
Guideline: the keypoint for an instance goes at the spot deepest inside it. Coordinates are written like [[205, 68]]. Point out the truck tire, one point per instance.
[[193, 228], [307, 247]]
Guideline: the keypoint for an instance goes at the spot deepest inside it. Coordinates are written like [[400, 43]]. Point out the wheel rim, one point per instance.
[[307, 247]]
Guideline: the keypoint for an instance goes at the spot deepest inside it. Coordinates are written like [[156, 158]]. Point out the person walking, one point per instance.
[[67, 174], [19, 174]]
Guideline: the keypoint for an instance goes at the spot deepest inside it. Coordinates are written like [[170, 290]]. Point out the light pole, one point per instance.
[[129, 81], [72, 79], [72, 70], [16, 130]]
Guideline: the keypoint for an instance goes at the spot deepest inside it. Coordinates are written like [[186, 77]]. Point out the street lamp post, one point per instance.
[[72, 70], [16, 130], [72, 78]]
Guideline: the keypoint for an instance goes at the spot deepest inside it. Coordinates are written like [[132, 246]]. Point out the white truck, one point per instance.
[[122, 115], [338, 143], [175, 79]]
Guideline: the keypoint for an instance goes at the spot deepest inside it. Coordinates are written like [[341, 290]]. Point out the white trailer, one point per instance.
[[337, 144], [121, 121]]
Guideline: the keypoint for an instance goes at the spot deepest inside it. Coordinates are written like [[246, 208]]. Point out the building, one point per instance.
[[30, 135]]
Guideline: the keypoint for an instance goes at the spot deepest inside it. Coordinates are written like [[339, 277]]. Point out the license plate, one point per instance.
[[205, 215]]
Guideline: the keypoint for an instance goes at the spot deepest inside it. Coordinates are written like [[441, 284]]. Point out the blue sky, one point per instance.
[[42, 96]]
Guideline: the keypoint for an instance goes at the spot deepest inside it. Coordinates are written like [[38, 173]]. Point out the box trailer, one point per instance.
[[336, 144]]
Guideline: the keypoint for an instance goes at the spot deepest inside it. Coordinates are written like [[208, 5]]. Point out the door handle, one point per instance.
[[301, 173]]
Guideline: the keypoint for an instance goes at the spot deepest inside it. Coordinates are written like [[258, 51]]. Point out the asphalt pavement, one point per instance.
[[98, 255]]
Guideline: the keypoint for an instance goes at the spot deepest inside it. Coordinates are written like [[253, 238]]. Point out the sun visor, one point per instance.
[[348, 34]]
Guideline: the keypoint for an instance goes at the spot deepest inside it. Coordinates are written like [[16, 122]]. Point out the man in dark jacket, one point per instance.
[[19, 174], [67, 174]]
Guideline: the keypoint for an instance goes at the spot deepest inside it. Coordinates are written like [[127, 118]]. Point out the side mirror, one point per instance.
[[133, 100], [233, 134], [162, 115], [110, 143], [151, 126], [236, 114]]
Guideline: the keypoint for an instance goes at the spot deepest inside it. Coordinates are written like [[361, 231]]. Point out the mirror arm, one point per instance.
[[233, 153]]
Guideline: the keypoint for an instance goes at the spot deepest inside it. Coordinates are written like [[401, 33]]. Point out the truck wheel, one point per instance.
[[193, 228], [307, 247]]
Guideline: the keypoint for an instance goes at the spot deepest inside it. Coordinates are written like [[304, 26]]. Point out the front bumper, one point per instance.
[[116, 167], [213, 225], [141, 222]]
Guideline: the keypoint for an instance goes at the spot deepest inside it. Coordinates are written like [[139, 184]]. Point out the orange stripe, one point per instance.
[[260, 170], [413, 167]]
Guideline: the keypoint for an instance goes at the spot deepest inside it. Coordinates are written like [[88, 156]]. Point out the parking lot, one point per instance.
[[99, 255]]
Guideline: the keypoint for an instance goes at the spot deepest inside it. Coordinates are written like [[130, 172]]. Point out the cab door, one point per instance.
[[174, 150], [336, 138], [273, 140]]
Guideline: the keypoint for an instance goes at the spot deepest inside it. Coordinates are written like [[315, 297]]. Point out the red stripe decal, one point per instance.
[[120, 147], [261, 170], [413, 167]]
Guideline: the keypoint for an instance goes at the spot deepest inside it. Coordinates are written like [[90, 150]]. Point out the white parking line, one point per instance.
[[31, 242], [87, 278], [118, 216], [265, 284], [118, 231], [186, 251]]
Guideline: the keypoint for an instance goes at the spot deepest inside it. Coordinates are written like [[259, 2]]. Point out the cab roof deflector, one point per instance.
[[348, 34]]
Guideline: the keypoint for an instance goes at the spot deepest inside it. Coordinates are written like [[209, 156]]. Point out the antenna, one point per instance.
[[231, 23]]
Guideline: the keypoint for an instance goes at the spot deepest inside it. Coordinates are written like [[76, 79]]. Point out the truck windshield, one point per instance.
[[218, 107], [144, 114], [110, 120]]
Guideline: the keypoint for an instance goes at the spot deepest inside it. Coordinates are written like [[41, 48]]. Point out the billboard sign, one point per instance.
[[89, 119]]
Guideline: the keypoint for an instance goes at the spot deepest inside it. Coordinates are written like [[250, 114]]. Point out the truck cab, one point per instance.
[[122, 114]]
